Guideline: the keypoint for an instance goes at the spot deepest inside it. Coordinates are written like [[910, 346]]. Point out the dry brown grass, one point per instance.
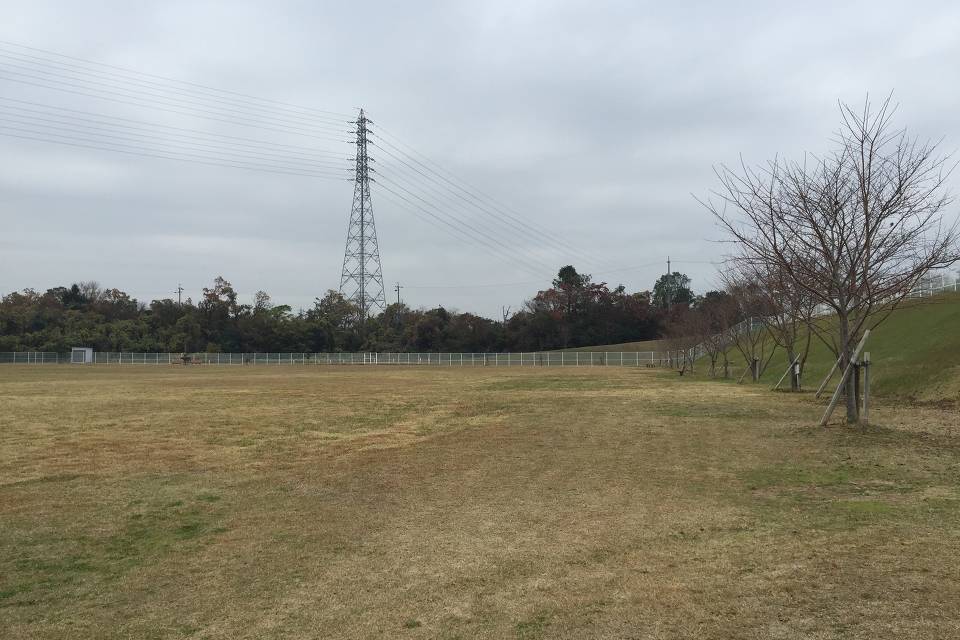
[[464, 503]]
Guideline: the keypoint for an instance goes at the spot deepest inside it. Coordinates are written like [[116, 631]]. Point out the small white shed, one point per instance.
[[81, 355]]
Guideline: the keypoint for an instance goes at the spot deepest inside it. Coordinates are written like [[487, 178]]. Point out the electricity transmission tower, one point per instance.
[[361, 280]]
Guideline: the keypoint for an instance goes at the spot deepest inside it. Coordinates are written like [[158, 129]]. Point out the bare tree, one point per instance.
[[681, 339], [701, 328], [855, 229], [750, 336], [788, 311], [715, 316]]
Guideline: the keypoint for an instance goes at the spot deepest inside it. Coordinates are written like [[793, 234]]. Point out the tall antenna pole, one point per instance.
[[361, 280], [669, 281], [179, 294]]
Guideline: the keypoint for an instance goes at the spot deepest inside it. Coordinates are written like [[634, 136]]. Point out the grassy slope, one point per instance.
[[645, 345], [915, 354], [366, 502]]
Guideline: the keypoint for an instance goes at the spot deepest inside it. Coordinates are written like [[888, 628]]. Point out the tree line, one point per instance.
[[824, 248], [573, 311]]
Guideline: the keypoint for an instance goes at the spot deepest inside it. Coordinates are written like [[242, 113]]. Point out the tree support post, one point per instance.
[[789, 370], [866, 387], [843, 379]]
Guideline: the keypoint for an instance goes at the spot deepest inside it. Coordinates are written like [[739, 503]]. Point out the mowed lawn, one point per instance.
[[378, 502]]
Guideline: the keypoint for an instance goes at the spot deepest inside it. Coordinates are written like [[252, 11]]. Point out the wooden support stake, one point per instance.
[[789, 369], [823, 384], [843, 379], [866, 387]]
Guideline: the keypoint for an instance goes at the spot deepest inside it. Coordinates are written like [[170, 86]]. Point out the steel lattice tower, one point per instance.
[[361, 280]]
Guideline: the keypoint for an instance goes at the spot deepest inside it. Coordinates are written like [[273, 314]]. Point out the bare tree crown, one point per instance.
[[853, 230]]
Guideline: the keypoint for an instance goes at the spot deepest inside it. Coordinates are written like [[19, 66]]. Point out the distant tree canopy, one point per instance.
[[574, 311], [672, 289]]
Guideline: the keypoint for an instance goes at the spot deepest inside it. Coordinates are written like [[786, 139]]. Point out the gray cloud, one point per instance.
[[595, 120]]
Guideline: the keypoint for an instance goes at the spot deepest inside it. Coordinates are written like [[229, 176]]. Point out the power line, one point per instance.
[[523, 283], [500, 285], [451, 229], [191, 110], [535, 282], [146, 90], [472, 191], [514, 234], [475, 230], [288, 148], [201, 141], [185, 150], [501, 236], [29, 120], [183, 82], [171, 157], [519, 225], [74, 72], [159, 108]]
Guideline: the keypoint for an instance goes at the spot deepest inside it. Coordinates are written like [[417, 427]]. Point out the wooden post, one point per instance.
[[743, 375], [866, 387], [823, 384], [789, 369], [857, 366], [843, 379]]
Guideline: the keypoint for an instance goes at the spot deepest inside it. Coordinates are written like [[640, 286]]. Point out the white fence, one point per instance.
[[936, 284], [516, 359]]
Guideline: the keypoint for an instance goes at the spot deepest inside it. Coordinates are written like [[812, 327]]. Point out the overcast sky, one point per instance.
[[592, 121]]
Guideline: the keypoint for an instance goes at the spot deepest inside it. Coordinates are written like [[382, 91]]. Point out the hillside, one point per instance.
[[645, 345], [915, 354]]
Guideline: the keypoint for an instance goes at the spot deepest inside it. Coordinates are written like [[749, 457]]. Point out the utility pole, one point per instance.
[[399, 313], [361, 280], [179, 294]]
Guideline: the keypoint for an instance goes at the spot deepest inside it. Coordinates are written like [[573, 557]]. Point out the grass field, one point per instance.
[[386, 502]]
